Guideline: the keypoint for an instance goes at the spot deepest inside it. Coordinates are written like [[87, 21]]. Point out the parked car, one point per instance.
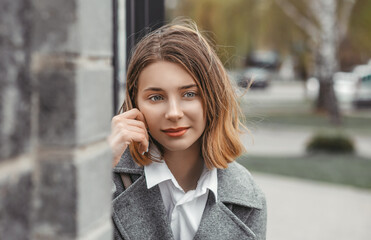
[[254, 77], [345, 85], [352, 88], [362, 70], [362, 97]]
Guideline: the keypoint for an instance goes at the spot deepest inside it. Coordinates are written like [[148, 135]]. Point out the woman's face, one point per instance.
[[169, 99]]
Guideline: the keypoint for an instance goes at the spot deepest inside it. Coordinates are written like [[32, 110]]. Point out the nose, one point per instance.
[[174, 111]]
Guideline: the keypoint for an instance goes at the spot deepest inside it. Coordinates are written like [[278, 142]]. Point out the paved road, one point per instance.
[[306, 210]]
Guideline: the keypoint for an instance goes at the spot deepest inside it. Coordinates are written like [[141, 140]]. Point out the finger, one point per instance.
[[140, 138], [138, 130], [132, 114], [145, 146], [141, 117], [138, 124]]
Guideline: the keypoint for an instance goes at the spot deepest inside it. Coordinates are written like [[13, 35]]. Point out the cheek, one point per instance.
[[151, 115], [196, 114]]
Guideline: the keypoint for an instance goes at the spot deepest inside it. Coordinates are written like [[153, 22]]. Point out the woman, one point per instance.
[[175, 143]]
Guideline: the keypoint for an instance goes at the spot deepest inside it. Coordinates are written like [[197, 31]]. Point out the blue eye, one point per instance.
[[190, 94], [155, 98]]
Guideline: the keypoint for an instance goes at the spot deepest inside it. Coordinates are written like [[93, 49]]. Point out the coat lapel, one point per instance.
[[138, 212], [218, 221]]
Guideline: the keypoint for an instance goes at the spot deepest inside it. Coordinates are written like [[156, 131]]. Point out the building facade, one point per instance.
[[62, 68]]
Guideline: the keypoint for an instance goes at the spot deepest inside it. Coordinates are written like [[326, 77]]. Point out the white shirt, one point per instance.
[[184, 210]]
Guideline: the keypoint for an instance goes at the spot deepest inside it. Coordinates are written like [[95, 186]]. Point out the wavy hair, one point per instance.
[[183, 44]]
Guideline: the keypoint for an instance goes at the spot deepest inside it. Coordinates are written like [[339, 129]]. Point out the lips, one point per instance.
[[176, 132]]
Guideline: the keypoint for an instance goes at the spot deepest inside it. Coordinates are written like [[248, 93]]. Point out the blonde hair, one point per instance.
[[183, 44]]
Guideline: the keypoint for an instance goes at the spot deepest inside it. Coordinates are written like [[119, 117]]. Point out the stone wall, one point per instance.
[[55, 111]]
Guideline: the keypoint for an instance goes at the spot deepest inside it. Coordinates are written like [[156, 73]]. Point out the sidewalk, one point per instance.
[[278, 141], [302, 209], [306, 210]]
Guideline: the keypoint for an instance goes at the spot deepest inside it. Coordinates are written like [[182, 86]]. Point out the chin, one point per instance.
[[179, 145], [175, 147]]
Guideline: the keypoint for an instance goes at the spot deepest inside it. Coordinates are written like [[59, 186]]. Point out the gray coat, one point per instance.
[[139, 213]]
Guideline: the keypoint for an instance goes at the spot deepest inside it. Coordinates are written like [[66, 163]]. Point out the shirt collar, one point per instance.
[[158, 172], [209, 180]]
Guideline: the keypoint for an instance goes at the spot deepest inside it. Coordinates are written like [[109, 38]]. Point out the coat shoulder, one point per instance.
[[246, 177], [236, 185], [248, 200]]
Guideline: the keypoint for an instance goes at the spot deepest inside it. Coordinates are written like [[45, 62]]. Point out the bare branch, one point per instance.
[[345, 14], [304, 23]]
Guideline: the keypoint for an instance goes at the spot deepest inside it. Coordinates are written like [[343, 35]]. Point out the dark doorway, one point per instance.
[[142, 16]]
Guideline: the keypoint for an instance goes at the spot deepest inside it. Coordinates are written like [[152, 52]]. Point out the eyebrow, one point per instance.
[[188, 86], [160, 89]]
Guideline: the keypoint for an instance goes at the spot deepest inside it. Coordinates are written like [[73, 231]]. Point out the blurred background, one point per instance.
[[302, 70]]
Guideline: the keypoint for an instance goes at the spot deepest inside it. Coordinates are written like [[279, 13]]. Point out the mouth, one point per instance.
[[176, 132]]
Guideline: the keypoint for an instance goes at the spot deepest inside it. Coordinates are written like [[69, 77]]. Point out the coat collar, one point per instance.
[[239, 190], [139, 212], [127, 165], [236, 186]]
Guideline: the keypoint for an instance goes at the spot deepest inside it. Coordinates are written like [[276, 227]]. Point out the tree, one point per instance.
[[232, 25], [326, 24], [312, 31]]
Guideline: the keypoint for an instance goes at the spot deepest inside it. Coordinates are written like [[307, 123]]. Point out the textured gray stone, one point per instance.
[[94, 188], [95, 27], [55, 91], [73, 197], [15, 108], [15, 206], [56, 202], [78, 26], [103, 232], [15, 84], [53, 25], [57, 97], [94, 105], [75, 106]]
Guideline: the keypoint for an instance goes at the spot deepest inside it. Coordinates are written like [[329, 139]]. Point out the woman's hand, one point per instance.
[[126, 128]]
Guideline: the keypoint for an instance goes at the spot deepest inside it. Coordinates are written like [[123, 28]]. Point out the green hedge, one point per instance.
[[331, 143]]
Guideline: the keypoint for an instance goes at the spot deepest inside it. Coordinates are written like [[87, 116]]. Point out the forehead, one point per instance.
[[164, 75]]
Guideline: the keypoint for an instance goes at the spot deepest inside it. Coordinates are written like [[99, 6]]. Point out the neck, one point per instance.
[[186, 166]]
